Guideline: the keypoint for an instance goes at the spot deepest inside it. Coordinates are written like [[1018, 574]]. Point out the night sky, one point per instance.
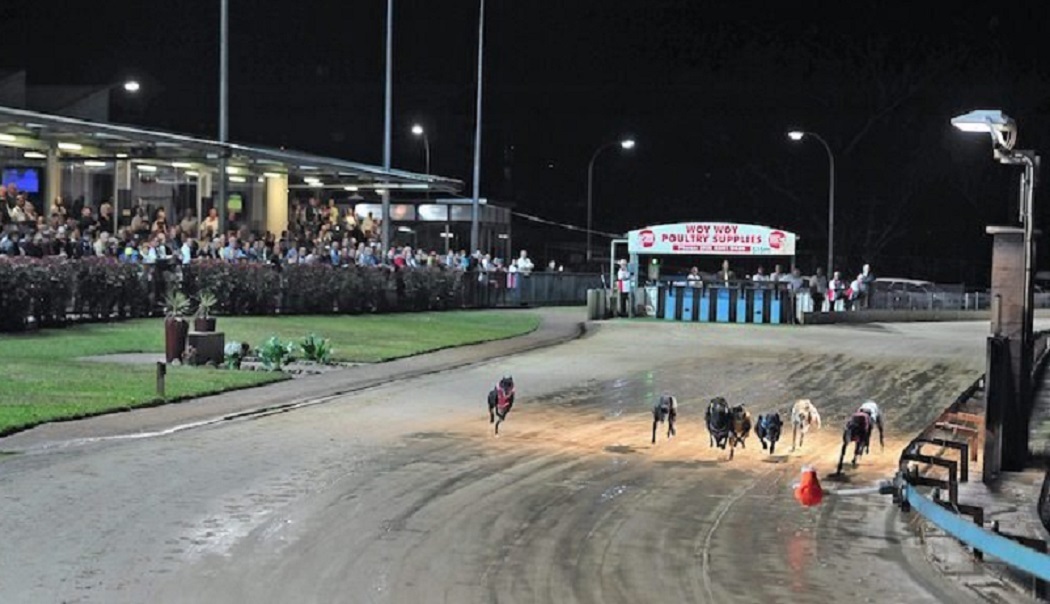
[[708, 89]]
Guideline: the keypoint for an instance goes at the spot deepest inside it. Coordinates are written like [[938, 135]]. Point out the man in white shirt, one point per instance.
[[623, 282], [525, 265]]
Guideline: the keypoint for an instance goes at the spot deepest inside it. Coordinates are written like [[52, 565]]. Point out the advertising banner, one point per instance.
[[712, 239]]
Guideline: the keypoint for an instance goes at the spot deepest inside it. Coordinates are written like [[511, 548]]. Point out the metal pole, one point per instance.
[[590, 200], [475, 210], [426, 146], [387, 118], [831, 202], [590, 193], [224, 109], [831, 211], [1031, 162]]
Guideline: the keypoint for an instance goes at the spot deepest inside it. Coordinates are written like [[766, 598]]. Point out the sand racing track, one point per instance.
[[401, 493]]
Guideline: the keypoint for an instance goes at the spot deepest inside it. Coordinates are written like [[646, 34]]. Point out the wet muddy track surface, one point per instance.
[[402, 494]]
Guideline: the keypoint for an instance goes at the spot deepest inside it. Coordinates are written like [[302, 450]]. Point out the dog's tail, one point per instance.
[[816, 418]]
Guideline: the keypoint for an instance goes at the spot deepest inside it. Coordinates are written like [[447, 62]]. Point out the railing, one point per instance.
[[1044, 502], [490, 290], [1024, 554]]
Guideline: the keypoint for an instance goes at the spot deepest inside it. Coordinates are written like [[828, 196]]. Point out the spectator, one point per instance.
[[760, 275], [836, 292], [367, 225], [58, 208], [139, 222], [16, 213], [188, 224], [725, 275], [778, 274], [210, 226], [793, 280], [818, 285], [867, 285], [524, 264], [87, 218], [623, 282], [333, 213], [694, 276], [105, 218]]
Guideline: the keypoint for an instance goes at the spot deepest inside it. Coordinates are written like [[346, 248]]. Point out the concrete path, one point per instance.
[[557, 325]]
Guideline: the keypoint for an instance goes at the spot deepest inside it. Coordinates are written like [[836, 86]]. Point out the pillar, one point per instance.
[[53, 180], [277, 204], [1008, 383], [122, 206]]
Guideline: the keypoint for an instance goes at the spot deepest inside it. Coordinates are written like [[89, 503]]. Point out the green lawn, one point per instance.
[[41, 380]]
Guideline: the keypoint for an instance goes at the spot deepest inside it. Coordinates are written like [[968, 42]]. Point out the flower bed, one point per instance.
[[55, 291]]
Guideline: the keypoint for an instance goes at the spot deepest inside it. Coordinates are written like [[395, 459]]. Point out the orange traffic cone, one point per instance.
[[808, 491]]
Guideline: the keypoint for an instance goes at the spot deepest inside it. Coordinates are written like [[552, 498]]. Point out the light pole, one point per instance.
[[1010, 411], [797, 135], [418, 130], [474, 207], [387, 116], [224, 107], [626, 144]]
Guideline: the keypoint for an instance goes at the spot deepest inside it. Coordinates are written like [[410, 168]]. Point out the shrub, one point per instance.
[[274, 353], [104, 289], [317, 349], [233, 354], [15, 294], [310, 288]]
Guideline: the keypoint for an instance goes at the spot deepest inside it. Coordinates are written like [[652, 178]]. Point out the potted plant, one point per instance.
[[203, 320], [176, 304]]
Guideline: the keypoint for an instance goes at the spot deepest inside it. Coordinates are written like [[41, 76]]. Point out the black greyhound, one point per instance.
[[857, 430], [768, 428], [719, 420], [665, 409], [501, 400]]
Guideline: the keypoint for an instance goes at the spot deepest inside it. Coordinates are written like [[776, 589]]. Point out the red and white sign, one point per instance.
[[712, 239]]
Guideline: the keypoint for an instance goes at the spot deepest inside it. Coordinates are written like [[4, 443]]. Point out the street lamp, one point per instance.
[[132, 86], [798, 135], [626, 144], [418, 130], [1003, 131]]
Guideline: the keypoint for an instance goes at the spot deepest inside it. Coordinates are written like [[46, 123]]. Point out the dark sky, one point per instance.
[[707, 88]]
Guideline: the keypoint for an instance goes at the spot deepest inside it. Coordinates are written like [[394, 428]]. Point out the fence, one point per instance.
[[493, 290]]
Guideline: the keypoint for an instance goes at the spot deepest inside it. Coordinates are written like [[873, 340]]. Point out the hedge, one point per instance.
[[54, 291]]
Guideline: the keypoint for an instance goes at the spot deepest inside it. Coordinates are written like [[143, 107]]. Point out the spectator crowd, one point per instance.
[[318, 234]]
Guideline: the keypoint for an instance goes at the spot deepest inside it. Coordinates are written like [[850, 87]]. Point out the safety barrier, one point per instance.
[[991, 543], [708, 303], [1025, 554]]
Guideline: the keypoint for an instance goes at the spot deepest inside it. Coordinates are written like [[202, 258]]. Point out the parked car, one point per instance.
[[913, 294]]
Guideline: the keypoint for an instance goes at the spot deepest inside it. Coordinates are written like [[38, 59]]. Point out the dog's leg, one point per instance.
[[794, 430], [654, 430], [842, 454]]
